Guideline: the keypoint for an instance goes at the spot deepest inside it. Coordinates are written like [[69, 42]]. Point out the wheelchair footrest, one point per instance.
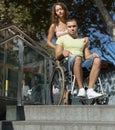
[[104, 99]]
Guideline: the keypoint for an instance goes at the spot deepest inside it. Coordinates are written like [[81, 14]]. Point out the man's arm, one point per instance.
[[60, 48], [87, 54], [58, 51]]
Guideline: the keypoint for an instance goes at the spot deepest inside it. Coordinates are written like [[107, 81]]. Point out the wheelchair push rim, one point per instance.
[[57, 86]]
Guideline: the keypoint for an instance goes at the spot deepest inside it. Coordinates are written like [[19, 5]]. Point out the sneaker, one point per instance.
[[55, 90], [81, 92], [92, 94]]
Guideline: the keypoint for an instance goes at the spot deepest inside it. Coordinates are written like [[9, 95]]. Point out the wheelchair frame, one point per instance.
[[62, 87]]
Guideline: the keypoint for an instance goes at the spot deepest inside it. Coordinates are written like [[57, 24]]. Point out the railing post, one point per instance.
[[20, 73]]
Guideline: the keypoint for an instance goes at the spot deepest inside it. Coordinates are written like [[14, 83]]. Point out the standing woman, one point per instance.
[[58, 27]]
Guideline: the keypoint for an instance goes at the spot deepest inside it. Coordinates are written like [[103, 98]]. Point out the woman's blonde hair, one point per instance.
[[54, 17]]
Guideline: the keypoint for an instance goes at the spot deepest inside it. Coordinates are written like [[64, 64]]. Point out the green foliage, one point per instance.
[[2, 11], [19, 15], [33, 16]]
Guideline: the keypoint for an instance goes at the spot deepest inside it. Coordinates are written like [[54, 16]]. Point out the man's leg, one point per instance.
[[93, 78], [77, 69], [94, 72]]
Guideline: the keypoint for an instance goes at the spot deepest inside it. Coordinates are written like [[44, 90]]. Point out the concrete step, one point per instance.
[[56, 125], [73, 113]]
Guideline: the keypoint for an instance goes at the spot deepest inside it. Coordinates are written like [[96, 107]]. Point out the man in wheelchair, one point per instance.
[[70, 45]]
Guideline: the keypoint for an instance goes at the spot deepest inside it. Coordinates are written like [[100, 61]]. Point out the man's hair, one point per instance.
[[71, 19]]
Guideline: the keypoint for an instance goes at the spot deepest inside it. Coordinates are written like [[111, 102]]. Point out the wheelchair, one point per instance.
[[63, 88]]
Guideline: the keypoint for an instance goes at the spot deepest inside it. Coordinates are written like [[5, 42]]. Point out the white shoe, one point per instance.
[[81, 92], [55, 90], [92, 94]]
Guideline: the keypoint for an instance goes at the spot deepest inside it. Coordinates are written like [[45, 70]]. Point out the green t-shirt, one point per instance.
[[75, 46]]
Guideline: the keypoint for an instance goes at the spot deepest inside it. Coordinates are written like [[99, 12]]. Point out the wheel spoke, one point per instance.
[[57, 86]]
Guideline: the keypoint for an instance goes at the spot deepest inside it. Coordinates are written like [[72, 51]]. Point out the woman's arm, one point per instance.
[[50, 36]]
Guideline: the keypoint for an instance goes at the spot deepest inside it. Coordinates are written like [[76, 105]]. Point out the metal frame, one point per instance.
[[22, 37]]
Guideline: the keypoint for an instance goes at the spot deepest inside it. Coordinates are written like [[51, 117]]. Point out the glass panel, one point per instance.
[[35, 74], [33, 89], [1, 70], [13, 83], [9, 65], [1, 78]]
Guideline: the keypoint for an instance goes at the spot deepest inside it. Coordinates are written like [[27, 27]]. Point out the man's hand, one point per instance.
[[95, 54], [67, 53]]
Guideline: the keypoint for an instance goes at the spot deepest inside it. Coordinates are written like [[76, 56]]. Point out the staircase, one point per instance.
[[76, 117]]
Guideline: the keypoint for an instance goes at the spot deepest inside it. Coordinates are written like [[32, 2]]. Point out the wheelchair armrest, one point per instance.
[[61, 57]]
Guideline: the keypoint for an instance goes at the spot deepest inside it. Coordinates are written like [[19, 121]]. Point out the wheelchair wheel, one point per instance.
[[68, 98], [102, 100], [57, 86]]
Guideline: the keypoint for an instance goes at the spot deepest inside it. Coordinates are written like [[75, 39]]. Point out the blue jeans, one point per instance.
[[86, 64]]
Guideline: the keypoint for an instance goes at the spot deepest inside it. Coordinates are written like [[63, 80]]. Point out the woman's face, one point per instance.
[[59, 11]]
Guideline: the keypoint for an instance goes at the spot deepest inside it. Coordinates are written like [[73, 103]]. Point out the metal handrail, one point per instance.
[[29, 44], [30, 40]]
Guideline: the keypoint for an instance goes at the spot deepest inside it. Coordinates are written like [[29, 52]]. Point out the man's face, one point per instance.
[[72, 27]]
